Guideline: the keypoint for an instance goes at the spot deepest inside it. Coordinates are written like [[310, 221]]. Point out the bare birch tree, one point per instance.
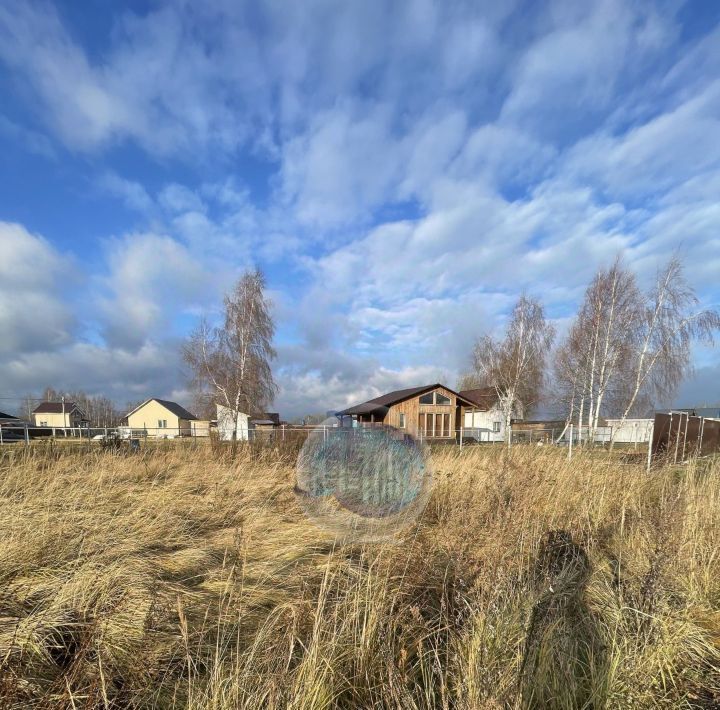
[[626, 348], [231, 363], [611, 310], [670, 321], [568, 378], [515, 365], [591, 362], [470, 381]]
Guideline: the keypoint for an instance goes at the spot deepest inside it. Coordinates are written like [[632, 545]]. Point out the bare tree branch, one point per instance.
[[231, 363], [515, 366]]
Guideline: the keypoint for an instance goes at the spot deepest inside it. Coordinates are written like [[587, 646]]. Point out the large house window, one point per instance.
[[496, 427], [401, 418], [434, 398], [426, 424], [434, 425], [162, 423]]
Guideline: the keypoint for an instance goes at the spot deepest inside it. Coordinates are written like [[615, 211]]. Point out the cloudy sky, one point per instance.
[[400, 171]]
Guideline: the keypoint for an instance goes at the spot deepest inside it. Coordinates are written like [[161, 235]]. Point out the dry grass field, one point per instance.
[[182, 577]]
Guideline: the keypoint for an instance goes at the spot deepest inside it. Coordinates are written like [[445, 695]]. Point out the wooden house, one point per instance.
[[431, 412]]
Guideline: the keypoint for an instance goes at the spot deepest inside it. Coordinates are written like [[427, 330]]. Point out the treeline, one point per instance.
[[626, 349]]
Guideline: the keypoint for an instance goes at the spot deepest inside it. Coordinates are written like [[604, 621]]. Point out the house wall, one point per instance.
[[484, 420], [632, 430], [412, 409], [484, 423], [148, 416], [226, 424], [200, 427], [57, 420]]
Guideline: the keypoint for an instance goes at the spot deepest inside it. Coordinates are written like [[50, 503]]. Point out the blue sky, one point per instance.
[[401, 171]]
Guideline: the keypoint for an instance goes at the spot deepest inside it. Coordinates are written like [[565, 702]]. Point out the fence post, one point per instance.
[[677, 436], [571, 443], [650, 441], [27, 436], [461, 435], [1, 439]]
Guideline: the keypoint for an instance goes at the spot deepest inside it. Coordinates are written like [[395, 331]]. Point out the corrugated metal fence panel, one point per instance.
[[679, 436]]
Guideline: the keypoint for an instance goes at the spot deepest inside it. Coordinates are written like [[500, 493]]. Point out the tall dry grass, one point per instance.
[[186, 578]]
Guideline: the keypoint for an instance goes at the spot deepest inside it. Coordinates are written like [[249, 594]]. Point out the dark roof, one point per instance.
[[176, 409], [267, 418], [708, 412], [386, 400], [7, 416], [55, 408], [173, 407], [481, 397]]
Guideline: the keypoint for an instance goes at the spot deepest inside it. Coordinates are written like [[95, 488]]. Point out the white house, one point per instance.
[[486, 421], [229, 421]]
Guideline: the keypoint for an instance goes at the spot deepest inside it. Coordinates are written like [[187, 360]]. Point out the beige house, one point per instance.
[[58, 415], [162, 419]]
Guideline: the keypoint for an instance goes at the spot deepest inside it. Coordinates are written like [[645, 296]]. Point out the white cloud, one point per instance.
[[153, 279], [571, 73], [661, 153], [35, 284], [178, 198], [131, 192], [420, 164]]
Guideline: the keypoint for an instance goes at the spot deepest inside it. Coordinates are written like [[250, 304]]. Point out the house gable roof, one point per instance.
[[387, 400], [7, 416], [56, 408], [483, 398], [173, 407]]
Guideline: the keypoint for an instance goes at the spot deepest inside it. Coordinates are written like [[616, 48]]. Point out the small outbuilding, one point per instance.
[[231, 424]]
